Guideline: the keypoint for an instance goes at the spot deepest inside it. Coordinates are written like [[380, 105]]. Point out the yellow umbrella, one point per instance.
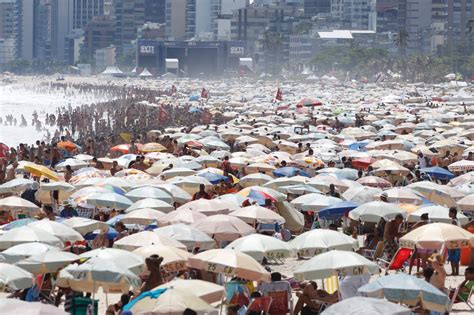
[[41, 170], [153, 147]]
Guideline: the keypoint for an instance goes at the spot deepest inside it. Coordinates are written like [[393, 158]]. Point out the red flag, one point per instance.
[[173, 89], [206, 117], [279, 95], [204, 93], [163, 114]]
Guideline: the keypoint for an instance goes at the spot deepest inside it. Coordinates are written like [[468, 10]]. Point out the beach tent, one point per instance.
[[145, 74], [112, 70]]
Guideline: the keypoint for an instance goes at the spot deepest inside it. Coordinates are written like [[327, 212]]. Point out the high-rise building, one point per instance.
[[129, 15], [9, 30], [85, 11], [414, 17], [98, 34], [155, 11], [360, 15], [175, 19], [201, 18], [315, 7], [387, 16]]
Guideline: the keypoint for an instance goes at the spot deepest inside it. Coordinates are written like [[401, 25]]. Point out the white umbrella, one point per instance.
[[208, 291], [27, 234], [138, 194], [255, 213], [123, 258], [335, 263], [190, 184], [466, 203], [224, 227], [437, 235], [360, 195], [145, 216], [85, 225], [174, 259], [177, 171], [373, 211], [259, 246], [145, 238], [110, 200], [61, 231], [179, 195], [317, 241], [14, 278], [151, 203], [50, 261], [74, 163], [318, 202], [189, 236], [25, 250], [97, 272], [364, 305], [186, 216], [436, 214], [256, 179], [56, 186], [17, 184], [14, 307], [14, 203], [209, 207]]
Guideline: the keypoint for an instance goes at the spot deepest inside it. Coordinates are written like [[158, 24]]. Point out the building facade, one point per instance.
[[9, 30], [315, 7], [129, 15], [98, 34], [175, 19]]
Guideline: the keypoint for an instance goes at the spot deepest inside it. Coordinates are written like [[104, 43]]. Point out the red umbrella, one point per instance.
[[363, 163], [308, 102], [125, 148], [194, 144], [3, 150]]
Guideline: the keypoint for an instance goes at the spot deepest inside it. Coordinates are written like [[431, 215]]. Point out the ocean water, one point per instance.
[[25, 98]]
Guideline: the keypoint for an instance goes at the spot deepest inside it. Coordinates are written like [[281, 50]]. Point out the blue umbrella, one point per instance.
[[337, 210], [18, 223], [111, 234], [152, 294], [409, 290], [214, 178], [195, 110], [194, 98], [289, 171], [438, 172], [358, 146]]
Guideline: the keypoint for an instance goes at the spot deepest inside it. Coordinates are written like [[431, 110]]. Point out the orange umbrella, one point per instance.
[[153, 147], [125, 147], [67, 145]]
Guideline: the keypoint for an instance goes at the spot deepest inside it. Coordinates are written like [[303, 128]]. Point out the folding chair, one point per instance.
[[375, 253], [260, 305], [457, 298], [398, 262], [281, 303]]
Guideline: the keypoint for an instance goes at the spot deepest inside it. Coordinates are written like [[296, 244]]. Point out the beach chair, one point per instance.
[[281, 304], [398, 262], [260, 305], [331, 284], [373, 254], [458, 298]]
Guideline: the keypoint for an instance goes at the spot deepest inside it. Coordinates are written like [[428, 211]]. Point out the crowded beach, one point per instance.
[[238, 197]]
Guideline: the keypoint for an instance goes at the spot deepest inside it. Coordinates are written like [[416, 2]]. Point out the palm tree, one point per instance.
[[401, 40]]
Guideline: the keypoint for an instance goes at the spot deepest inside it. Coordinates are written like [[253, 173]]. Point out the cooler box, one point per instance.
[[80, 304]]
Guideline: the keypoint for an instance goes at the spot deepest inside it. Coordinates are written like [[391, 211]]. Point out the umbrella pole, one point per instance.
[[223, 296]]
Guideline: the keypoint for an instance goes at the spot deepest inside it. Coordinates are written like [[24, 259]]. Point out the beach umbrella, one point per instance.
[[436, 214], [322, 182], [223, 227], [61, 186], [235, 199], [462, 179], [361, 195], [16, 185], [85, 225], [150, 203], [75, 164], [177, 171], [363, 162], [17, 223], [214, 178], [189, 236], [27, 234], [436, 235], [375, 210], [152, 147], [125, 259], [335, 263], [170, 301], [257, 214], [316, 241], [466, 203], [461, 166], [208, 291], [25, 250], [186, 216], [61, 231], [402, 195], [174, 259], [17, 204], [301, 189], [190, 184], [407, 290], [97, 272], [437, 172], [316, 202], [144, 216], [259, 246], [144, 238], [41, 170], [308, 102], [374, 181], [84, 157], [231, 263], [209, 207], [14, 278], [364, 305], [440, 194], [14, 307], [149, 192], [286, 181], [340, 173], [208, 161], [260, 194], [67, 145], [256, 179], [337, 211], [49, 261], [179, 194], [259, 167], [110, 200], [122, 182], [124, 148], [289, 171]]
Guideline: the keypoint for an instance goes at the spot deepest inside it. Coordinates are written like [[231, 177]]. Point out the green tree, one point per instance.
[[401, 41]]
